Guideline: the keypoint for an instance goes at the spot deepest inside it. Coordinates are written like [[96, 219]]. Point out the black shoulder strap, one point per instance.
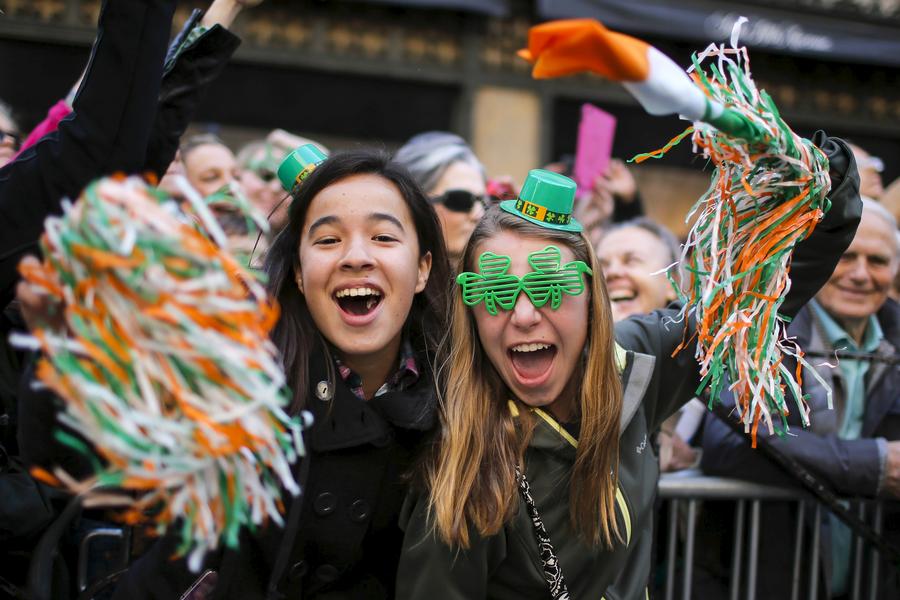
[[553, 574]]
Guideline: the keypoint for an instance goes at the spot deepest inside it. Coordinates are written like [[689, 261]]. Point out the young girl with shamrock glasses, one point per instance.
[[542, 478]]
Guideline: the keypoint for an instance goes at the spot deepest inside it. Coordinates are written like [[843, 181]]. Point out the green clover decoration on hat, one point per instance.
[[548, 280], [546, 199], [297, 165]]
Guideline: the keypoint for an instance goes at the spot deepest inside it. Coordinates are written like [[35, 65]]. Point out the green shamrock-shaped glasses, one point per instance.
[[549, 280]]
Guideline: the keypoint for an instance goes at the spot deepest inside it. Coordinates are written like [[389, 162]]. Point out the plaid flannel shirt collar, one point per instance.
[[406, 375]]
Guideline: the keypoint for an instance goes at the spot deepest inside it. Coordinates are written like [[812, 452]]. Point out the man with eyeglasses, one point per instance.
[[9, 135], [853, 442]]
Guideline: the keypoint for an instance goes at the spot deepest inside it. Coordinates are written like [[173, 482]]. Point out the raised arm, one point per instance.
[[108, 132], [199, 56], [676, 379]]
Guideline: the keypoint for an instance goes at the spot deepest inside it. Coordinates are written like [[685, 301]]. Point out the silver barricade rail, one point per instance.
[[688, 487]]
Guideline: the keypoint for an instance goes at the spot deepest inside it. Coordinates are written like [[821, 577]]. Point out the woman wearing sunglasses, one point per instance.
[[541, 483], [9, 135], [453, 178]]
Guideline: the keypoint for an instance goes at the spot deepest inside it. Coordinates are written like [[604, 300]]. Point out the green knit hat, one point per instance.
[[546, 199], [298, 165]]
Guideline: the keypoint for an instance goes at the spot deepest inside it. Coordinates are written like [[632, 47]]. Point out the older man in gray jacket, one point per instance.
[[854, 447]]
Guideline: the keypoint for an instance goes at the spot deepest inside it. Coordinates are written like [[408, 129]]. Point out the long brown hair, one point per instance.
[[471, 474]]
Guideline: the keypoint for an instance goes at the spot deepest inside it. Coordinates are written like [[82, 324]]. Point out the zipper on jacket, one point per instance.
[[620, 495]]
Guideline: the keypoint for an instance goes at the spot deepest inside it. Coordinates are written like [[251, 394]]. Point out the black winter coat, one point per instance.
[[128, 116], [342, 539], [114, 110]]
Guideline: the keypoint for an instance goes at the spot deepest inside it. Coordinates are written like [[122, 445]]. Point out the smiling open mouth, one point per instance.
[[531, 361], [622, 296], [359, 301]]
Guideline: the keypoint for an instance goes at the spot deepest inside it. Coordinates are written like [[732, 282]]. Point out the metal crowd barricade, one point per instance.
[[690, 487]]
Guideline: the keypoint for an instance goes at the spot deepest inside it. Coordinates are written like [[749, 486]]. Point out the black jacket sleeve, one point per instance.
[[108, 131], [675, 378], [183, 88]]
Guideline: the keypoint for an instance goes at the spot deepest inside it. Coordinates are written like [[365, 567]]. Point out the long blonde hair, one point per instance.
[[471, 474]]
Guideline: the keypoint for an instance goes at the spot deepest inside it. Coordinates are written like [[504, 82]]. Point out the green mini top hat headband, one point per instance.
[[549, 280], [546, 199], [299, 164]]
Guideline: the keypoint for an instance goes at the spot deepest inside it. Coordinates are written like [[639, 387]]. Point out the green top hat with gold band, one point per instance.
[[546, 199], [298, 165]]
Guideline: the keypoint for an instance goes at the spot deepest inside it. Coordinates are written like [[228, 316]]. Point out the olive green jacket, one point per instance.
[[508, 565]]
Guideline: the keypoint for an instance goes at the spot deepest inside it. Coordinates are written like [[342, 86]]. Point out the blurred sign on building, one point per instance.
[[805, 33]]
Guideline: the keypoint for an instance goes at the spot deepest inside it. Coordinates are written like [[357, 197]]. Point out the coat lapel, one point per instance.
[[342, 420]]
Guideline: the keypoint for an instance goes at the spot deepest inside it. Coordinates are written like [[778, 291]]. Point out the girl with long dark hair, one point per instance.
[[360, 273]]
